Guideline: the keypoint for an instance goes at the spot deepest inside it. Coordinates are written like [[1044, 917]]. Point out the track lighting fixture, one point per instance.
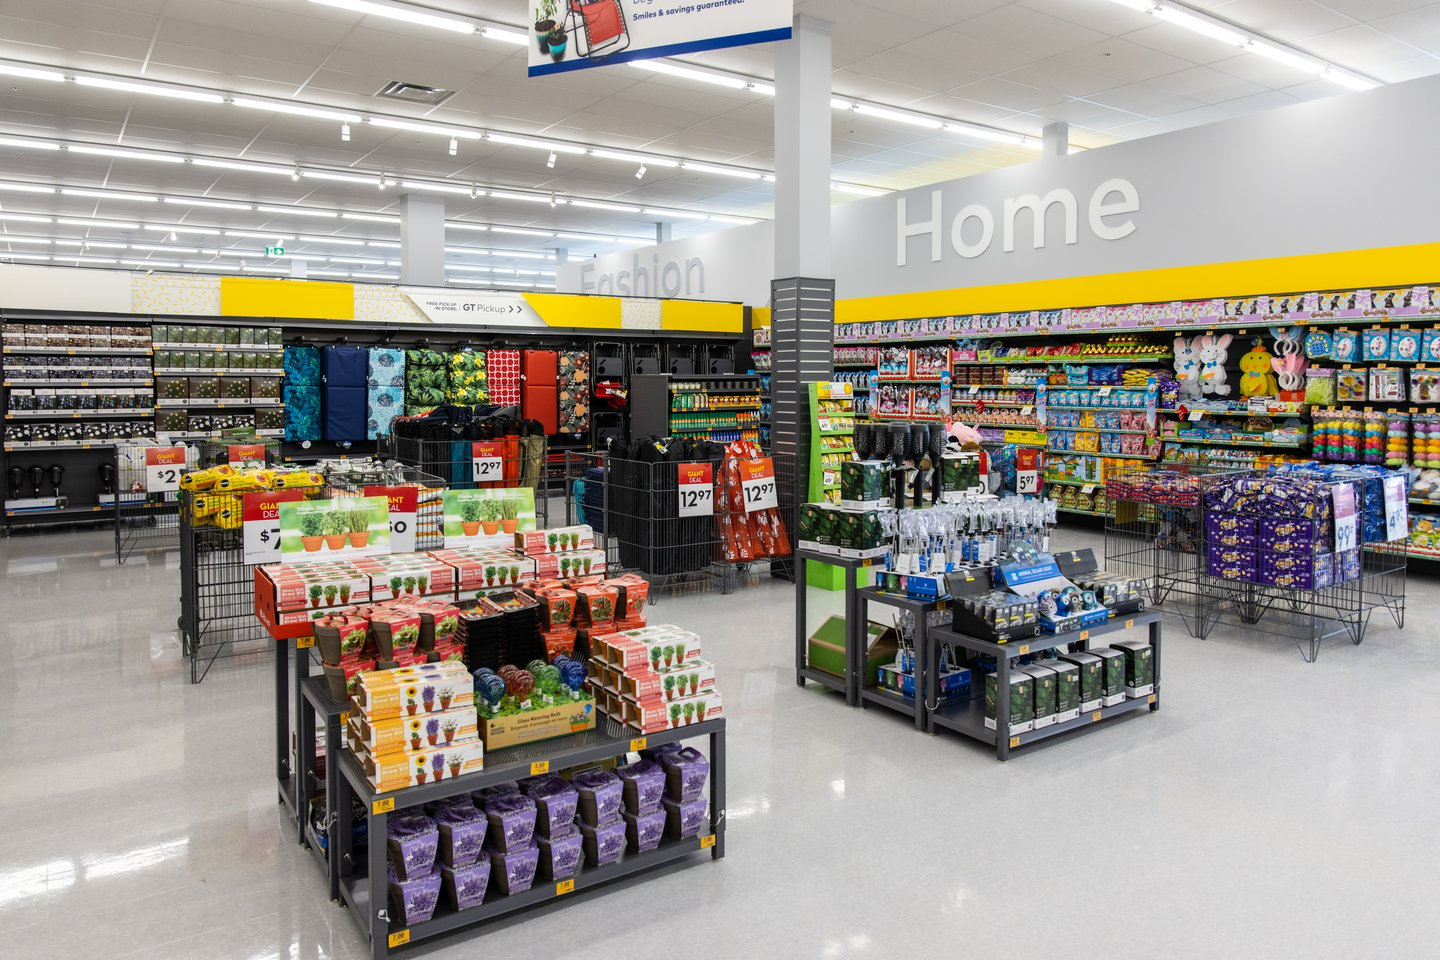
[[345, 132], [454, 146], [550, 161], [640, 174]]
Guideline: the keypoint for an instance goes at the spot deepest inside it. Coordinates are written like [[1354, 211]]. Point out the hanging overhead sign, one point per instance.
[[473, 306], [577, 34]]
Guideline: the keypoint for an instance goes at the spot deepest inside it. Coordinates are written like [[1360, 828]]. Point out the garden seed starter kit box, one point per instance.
[[653, 678], [415, 725]]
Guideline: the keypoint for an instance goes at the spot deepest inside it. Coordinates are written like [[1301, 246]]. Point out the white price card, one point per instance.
[[260, 522], [1196, 415], [163, 467], [1397, 509], [1343, 494], [487, 462], [404, 510], [1027, 471], [696, 484], [757, 481]]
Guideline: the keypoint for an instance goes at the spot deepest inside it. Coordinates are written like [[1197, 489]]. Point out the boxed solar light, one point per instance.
[[1044, 693], [1067, 688], [1112, 675], [996, 615], [818, 527], [953, 684], [860, 534], [1045, 579], [962, 472], [1092, 677], [1139, 667], [864, 484], [1022, 701]]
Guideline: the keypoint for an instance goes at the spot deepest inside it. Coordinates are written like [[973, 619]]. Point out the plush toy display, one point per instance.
[[1212, 364], [1290, 363], [1187, 367], [1256, 379]]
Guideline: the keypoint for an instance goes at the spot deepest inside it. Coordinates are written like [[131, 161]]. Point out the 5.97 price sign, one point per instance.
[[757, 480], [163, 466], [696, 483]]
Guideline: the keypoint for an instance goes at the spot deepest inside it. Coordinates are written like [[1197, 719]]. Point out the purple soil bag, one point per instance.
[[515, 871], [560, 854], [512, 822], [556, 801], [685, 772], [643, 832], [683, 819], [605, 843], [411, 839], [599, 796], [413, 901], [462, 833], [465, 886], [643, 786]]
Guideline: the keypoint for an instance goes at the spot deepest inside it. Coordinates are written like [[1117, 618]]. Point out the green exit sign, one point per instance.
[[274, 251]]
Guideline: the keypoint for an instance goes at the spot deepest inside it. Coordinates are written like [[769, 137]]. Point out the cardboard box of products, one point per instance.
[[1112, 675], [562, 719], [412, 768], [652, 716], [1022, 701], [578, 563], [1092, 670], [1139, 667], [1044, 692], [1067, 689], [402, 691], [311, 586], [398, 734], [537, 543], [669, 683], [635, 651], [826, 648]]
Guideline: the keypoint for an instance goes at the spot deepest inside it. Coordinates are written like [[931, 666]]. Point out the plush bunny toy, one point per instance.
[[1212, 364], [1187, 368]]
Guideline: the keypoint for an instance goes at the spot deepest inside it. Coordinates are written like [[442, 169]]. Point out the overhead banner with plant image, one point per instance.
[[342, 529], [578, 34], [489, 517]]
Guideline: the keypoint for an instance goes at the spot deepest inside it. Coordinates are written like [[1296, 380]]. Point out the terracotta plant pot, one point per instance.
[[414, 743], [314, 601], [454, 770], [311, 544], [469, 529], [449, 735], [410, 709], [335, 541], [359, 539], [509, 525], [420, 776], [491, 527], [445, 705], [433, 738], [429, 708], [674, 722]]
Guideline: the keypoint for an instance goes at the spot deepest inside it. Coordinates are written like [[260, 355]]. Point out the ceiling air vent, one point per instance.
[[414, 93]]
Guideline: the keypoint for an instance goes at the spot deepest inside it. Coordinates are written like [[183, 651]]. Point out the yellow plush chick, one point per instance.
[[1256, 380]]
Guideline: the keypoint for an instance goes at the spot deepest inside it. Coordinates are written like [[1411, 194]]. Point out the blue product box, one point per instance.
[[953, 684]]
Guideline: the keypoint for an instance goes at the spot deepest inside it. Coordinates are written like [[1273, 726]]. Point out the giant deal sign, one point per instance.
[[576, 34]]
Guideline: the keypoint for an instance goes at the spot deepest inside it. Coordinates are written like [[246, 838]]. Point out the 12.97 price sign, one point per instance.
[[696, 482], [163, 466], [757, 480], [487, 462]]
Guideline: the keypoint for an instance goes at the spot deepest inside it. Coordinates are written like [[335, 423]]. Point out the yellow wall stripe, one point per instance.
[[293, 299], [702, 316], [1380, 267], [568, 310]]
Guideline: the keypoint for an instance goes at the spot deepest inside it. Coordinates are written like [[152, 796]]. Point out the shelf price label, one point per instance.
[[404, 503], [163, 466], [246, 454], [398, 939], [487, 461], [696, 489], [757, 481], [1343, 494], [1397, 509], [260, 524]]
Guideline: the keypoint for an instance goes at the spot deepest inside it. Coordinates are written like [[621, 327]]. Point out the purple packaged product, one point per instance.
[[462, 833], [560, 854], [653, 754], [512, 822], [682, 820], [486, 794], [685, 773], [644, 785], [555, 803], [604, 843], [413, 901], [1230, 556], [1229, 530], [465, 886], [1298, 573], [643, 831], [515, 871], [599, 795], [411, 839], [1237, 572], [1347, 565]]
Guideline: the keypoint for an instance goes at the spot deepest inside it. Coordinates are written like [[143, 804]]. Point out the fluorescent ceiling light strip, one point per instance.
[[505, 36], [249, 269], [24, 188], [370, 217], [127, 86], [106, 246], [151, 263], [338, 177], [677, 214], [328, 273], [522, 231], [296, 211], [722, 171], [1280, 55], [519, 255], [1348, 81], [382, 243], [162, 249], [37, 241], [1201, 25], [634, 158], [434, 187], [853, 189], [605, 205], [375, 276], [70, 259], [885, 113], [124, 154], [109, 195], [84, 222], [468, 269], [526, 197], [341, 241], [437, 129], [403, 14], [307, 257], [243, 166], [175, 228], [31, 73], [537, 144], [215, 204], [37, 257], [69, 243], [296, 109], [362, 260], [33, 144], [258, 235], [476, 227], [670, 69], [584, 237]]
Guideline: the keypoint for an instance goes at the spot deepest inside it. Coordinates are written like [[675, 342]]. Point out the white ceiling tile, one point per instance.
[[906, 67], [1407, 69], [1358, 47], [983, 56], [1127, 61], [1367, 10], [1030, 30], [1419, 28], [1145, 100], [1205, 85], [1000, 92], [1062, 78], [1285, 20]]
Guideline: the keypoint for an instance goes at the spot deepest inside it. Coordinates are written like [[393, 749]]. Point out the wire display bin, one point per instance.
[[682, 521], [512, 462], [143, 521]]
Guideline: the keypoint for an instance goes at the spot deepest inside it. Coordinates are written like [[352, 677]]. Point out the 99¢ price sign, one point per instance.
[[163, 466], [404, 504], [487, 461], [696, 483], [757, 480], [260, 522]]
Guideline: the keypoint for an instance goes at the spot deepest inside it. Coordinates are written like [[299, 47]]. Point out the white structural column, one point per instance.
[[1056, 139], [802, 151], [422, 240]]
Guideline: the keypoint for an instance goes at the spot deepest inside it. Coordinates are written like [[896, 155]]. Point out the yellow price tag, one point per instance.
[[1024, 649], [383, 806], [1129, 624], [344, 717], [539, 767], [304, 643], [940, 605], [1084, 634], [564, 887], [398, 939], [1014, 742], [1151, 698], [638, 744], [1095, 717], [707, 841]]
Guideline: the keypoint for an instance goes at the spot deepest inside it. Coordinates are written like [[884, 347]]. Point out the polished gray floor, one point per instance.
[[1272, 808]]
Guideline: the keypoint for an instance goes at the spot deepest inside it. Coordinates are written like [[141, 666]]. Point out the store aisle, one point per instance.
[[1272, 808]]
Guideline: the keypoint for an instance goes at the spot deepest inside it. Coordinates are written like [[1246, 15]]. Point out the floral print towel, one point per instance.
[[574, 392], [386, 369]]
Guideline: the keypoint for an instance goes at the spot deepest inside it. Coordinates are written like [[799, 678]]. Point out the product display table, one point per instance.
[[287, 711], [316, 702], [968, 716], [363, 885], [854, 613], [925, 664]]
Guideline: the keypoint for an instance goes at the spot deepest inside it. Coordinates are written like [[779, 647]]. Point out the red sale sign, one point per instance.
[[260, 521], [245, 453], [696, 482], [487, 461], [404, 503], [163, 466], [757, 480]]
